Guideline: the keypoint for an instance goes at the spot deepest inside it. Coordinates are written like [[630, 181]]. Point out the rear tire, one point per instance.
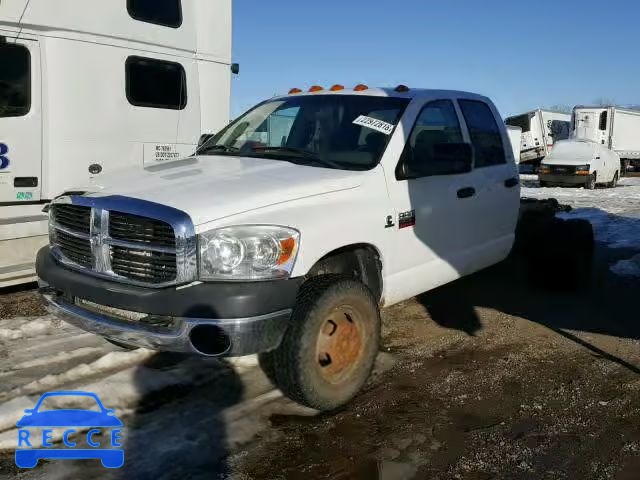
[[329, 349], [563, 259], [591, 182]]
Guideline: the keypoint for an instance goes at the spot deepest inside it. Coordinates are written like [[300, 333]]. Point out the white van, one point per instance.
[[580, 162], [91, 86]]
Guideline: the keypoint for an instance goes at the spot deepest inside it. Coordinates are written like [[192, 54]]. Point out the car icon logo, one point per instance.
[[74, 422]]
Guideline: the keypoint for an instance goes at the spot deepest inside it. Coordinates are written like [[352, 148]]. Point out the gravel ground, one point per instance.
[[486, 378]]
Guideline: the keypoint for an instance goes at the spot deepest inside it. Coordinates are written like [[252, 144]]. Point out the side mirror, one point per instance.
[[235, 68], [205, 138], [445, 159]]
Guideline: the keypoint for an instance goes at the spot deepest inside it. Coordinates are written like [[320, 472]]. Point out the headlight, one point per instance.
[[258, 252], [583, 168], [544, 169]]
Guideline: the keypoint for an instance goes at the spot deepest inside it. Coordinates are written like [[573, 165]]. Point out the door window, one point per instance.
[[156, 83], [603, 121], [484, 132], [437, 126], [160, 12], [15, 80]]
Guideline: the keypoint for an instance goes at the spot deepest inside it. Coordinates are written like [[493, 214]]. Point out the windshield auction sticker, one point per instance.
[[374, 124]]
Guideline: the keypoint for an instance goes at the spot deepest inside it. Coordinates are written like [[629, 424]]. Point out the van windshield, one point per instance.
[[15, 80], [522, 121], [348, 132]]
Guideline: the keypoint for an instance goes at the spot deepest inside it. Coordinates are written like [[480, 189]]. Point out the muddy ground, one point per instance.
[[491, 379]]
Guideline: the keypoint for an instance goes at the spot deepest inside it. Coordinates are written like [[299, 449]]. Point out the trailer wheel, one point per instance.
[[591, 182], [564, 257], [329, 350]]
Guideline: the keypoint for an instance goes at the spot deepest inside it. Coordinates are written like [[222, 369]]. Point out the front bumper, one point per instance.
[[212, 319], [569, 179]]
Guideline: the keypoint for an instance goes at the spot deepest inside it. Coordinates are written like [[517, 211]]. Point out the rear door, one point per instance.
[[588, 123], [497, 201], [20, 121]]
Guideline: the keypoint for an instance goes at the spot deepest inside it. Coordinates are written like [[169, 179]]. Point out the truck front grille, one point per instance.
[[76, 249], [126, 247], [73, 217]]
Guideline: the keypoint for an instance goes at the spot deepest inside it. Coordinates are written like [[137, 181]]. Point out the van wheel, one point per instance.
[[614, 182], [328, 352], [591, 182]]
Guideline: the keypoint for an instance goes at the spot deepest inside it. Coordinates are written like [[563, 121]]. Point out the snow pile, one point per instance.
[[24, 328], [628, 268]]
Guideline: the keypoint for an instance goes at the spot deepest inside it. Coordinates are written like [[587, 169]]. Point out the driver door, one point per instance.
[[434, 210], [20, 122]]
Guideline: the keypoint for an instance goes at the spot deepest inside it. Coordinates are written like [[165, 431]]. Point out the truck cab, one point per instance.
[[89, 87], [288, 230]]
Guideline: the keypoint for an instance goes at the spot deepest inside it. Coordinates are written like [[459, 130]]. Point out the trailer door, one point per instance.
[[587, 125], [20, 121]]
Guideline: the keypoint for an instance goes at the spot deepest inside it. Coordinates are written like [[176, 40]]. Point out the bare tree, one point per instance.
[[604, 102], [561, 108]]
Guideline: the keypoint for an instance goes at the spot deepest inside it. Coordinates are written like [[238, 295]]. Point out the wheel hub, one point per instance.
[[339, 346]]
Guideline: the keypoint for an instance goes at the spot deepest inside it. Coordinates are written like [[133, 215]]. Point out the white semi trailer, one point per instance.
[[540, 129], [90, 86], [616, 128]]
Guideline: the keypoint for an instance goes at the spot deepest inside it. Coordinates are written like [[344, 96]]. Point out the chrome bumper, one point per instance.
[[208, 337]]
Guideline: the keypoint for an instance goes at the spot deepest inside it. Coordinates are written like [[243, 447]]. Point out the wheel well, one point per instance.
[[361, 262]]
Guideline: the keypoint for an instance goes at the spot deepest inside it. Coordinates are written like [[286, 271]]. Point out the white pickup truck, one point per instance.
[[288, 230]]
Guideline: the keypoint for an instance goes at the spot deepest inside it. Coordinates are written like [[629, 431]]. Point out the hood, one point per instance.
[[209, 188], [572, 152]]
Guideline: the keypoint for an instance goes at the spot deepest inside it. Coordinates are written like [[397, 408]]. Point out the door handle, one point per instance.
[[467, 192], [511, 182]]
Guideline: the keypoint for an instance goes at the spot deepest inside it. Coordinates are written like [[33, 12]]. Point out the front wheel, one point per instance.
[[614, 182], [591, 182], [329, 350]]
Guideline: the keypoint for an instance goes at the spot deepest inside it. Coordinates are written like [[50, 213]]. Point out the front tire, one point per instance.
[[591, 182], [329, 349], [614, 182]]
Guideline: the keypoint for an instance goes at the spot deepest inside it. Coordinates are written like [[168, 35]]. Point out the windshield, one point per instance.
[[15, 81], [349, 132], [522, 121]]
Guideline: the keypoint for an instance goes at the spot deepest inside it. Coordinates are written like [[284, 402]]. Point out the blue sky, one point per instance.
[[523, 55]]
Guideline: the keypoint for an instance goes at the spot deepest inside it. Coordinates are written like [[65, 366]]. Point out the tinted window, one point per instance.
[[603, 120], [15, 80], [484, 132], [156, 83], [160, 12], [437, 125]]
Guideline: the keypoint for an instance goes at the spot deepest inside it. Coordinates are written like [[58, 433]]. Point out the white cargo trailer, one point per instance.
[[90, 86], [540, 129], [616, 128]]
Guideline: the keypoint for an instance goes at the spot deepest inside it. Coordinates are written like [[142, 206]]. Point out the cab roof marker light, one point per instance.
[[402, 89], [337, 88], [360, 87], [293, 91], [316, 88]]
